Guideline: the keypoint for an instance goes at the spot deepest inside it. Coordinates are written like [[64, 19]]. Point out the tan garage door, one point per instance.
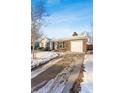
[[77, 46]]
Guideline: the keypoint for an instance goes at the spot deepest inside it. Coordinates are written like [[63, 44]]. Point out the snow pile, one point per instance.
[[57, 84], [42, 57], [87, 84]]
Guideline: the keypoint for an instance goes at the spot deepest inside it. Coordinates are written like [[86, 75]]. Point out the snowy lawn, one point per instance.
[[42, 57], [87, 84]]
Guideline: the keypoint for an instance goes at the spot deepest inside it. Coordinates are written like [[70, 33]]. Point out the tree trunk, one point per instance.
[[33, 51]]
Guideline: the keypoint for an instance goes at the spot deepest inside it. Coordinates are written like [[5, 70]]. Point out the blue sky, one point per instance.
[[68, 16]]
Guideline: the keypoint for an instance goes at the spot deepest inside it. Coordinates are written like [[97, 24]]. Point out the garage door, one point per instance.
[[77, 46]]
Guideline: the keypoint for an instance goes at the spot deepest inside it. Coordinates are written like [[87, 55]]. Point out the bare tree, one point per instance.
[[88, 35], [37, 21]]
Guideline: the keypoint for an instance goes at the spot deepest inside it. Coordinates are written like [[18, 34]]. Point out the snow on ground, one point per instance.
[[42, 57], [87, 84], [57, 84]]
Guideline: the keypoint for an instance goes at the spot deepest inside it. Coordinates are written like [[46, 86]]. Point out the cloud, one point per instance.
[[67, 18], [70, 13]]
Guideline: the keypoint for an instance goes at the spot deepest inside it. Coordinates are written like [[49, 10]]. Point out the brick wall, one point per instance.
[[67, 47], [85, 45]]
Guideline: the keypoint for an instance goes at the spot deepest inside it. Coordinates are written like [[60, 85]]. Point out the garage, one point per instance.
[[77, 46]]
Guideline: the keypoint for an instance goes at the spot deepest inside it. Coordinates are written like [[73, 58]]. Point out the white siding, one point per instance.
[[77, 46]]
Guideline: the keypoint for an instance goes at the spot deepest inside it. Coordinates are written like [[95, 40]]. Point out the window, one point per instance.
[[61, 44]]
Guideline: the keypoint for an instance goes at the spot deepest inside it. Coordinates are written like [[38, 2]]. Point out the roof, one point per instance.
[[70, 38], [39, 39]]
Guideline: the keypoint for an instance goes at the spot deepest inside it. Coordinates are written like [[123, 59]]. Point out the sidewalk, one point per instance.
[[87, 84], [74, 75]]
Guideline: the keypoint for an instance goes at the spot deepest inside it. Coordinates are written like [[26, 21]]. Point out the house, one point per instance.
[[44, 42], [89, 41], [74, 43]]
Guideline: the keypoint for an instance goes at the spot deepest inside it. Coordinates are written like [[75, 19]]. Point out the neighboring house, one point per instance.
[[72, 44], [44, 42], [89, 41]]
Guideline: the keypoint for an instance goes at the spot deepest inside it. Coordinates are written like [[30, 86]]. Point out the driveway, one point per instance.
[[50, 71]]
